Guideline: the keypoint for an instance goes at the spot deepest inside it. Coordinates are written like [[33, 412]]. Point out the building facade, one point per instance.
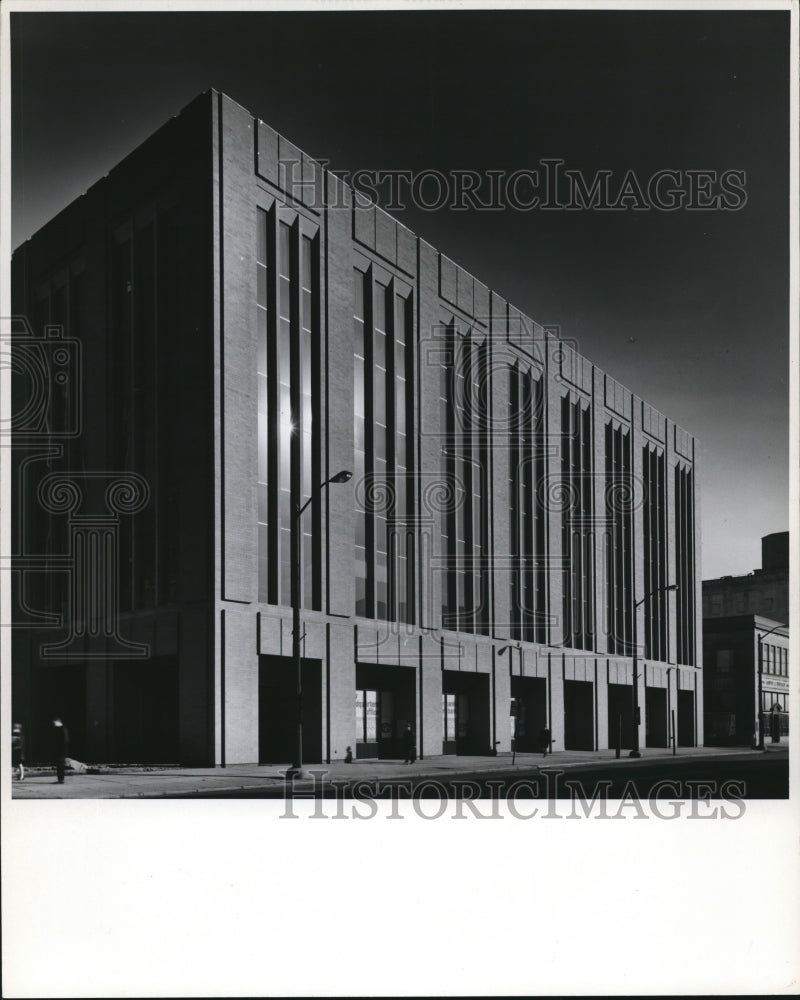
[[235, 325], [765, 591], [736, 650]]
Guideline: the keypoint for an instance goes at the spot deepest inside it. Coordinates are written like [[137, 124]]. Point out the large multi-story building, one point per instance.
[[765, 591], [221, 325]]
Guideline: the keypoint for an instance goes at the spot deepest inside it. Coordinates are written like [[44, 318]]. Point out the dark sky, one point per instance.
[[687, 308]]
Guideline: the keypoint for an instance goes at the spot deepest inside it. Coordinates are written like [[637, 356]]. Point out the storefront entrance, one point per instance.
[[465, 713], [385, 706]]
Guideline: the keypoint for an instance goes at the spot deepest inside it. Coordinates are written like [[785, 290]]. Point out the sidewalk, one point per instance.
[[132, 782]]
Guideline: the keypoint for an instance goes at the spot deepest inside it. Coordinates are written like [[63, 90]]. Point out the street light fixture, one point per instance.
[[636, 752], [297, 770], [502, 652], [761, 638]]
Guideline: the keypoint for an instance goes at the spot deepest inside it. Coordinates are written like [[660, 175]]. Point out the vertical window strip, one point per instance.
[[526, 522], [619, 544], [287, 301], [661, 582], [262, 374], [467, 609], [684, 560], [309, 470], [464, 528], [587, 534], [542, 632], [481, 491], [383, 446], [380, 412], [514, 498], [402, 601], [578, 574], [612, 566], [360, 424], [566, 526], [526, 505], [655, 563]]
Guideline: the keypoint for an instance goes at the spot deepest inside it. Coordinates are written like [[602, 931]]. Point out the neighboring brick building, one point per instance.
[[765, 591], [730, 676], [235, 331]]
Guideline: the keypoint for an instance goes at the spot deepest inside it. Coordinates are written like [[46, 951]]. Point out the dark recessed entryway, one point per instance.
[[277, 717], [530, 704], [145, 697], [465, 713], [578, 715], [620, 716], [385, 705], [655, 719], [58, 691], [686, 737]]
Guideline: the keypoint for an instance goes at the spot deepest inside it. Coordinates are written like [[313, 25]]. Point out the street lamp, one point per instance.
[[502, 652], [636, 752], [297, 770], [761, 638]]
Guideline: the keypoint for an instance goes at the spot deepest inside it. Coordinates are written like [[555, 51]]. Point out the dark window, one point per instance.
[[618, 540], [464, 524], [577, 538], [287, 302], [526, 507], [383, 449], [684, 563], [655, 554]]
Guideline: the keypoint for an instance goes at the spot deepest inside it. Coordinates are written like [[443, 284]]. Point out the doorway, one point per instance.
[[530, 705], [465, 713], [385, 705]]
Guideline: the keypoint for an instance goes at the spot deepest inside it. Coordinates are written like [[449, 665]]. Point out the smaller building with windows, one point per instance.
[[733, 648]]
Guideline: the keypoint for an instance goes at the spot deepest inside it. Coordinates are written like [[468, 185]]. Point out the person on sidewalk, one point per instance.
[[18, 749], [544, 741], [60, 743], [409, 746]]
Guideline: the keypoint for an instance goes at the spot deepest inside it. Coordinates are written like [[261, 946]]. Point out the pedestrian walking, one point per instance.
[[60, 744], [409, 746], [544, 741], [18, 749]]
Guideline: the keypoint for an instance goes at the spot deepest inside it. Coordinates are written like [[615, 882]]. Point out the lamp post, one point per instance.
[[636, 752], [502, 652], [761, 638], [297, 770]]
